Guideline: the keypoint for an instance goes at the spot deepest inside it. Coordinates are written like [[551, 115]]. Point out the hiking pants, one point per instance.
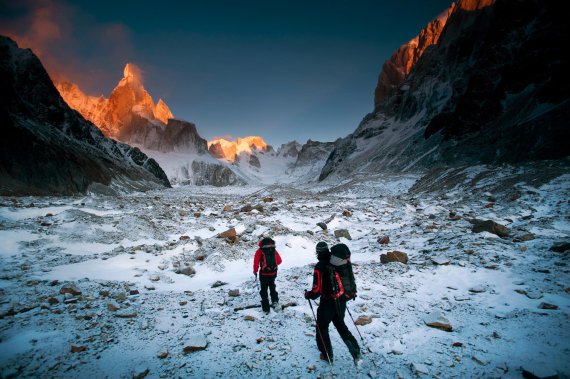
[[265, 282], [334, 311]]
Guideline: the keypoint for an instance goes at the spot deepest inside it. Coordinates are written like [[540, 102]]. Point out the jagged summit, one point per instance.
[[230, 150], [128, 100]]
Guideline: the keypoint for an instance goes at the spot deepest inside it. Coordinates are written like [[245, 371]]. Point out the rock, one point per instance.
[[184, 238], [162, 355], [195, 343], [384, 240], [267, 199], [149, 287], [113, 307], [535, 295], [462, 298], [394, 256], [227, 208], [477, 289], [69, 288], [249, 318], [322, 225], [187, 270], [246, 208], [479, 360], [230, 235], [436, 319], [134, 292], [525, 237], [489, 226], [560, 247], [233, 293], [342, 233], [347, 213], [250, 229], [419, 369], [534, 371], [260, 339], [140, 373], [126, 313], [548, 306], [52, 301], [154, 278], [440, 261], [218, 283], [363, 320], [78, 349], [258, 208], [197, 214], [457, 344]]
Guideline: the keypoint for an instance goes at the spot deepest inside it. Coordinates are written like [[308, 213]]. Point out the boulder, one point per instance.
[[342, 233], [69, 288], [189, 271], [548, 306], [394, 256], [560, 247], [227, 208], [436, 319], [267, 199], [347, 213], [184, 238], [363, 320], [440, 261], [195, 343], [322, 225], [384, 240], [489, 226], [230, 235], [246, 208], [233, 293]]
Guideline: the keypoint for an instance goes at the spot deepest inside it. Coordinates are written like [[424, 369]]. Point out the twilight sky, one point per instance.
[[283, 70]]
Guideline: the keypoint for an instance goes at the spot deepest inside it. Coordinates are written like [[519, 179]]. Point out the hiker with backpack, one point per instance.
[[265, 262], [333, 282]]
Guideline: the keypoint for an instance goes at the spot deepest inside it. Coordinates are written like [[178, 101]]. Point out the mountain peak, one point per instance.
[[114, 114], [132, 72], [226, 149]]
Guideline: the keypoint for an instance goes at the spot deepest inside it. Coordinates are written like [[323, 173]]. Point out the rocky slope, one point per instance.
[[493, 88], [47, 148]]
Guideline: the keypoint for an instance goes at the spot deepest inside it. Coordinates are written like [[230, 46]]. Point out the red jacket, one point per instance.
[[257, 262]]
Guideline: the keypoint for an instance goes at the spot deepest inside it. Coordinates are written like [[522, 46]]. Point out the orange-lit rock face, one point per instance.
[[128, 97], [400, 64], [474, 5], [222, 148]]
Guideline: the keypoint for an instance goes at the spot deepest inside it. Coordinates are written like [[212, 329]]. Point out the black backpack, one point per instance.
[[341, 275], [268, 260]]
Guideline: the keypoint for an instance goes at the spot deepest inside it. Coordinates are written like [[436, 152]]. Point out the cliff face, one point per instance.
[[47, 148], [401, 62], [493, 89]]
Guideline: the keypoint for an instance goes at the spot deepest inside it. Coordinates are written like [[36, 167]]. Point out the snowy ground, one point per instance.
[[135, 314]]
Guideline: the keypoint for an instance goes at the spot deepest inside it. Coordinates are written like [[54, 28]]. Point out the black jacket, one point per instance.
[[321, 281]]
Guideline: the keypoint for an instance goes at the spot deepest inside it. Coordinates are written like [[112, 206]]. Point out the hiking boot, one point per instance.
[[357, 359], [276, 307], [323, 357]]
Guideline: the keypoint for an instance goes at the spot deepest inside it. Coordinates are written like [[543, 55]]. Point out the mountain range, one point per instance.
[[483, 83]]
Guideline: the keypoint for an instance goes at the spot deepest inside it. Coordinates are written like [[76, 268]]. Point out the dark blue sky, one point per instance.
[[280, 69]]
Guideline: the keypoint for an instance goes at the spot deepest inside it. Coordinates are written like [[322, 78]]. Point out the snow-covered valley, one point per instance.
[[130, 286]]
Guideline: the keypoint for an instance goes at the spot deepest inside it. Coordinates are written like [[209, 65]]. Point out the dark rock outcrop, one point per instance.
[[492, 89], [48, 148]]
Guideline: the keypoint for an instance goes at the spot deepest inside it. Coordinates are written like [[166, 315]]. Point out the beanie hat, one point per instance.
[[322, 248]]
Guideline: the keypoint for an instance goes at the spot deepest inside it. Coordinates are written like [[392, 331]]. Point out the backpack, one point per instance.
[[268, 260], [341, 275]]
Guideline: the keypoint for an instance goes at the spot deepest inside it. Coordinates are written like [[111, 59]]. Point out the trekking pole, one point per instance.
[[362, 339], [321, 335], [256, 282]]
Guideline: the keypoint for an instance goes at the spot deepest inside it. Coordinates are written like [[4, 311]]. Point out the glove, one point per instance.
[[255, 274], [307, 294]]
